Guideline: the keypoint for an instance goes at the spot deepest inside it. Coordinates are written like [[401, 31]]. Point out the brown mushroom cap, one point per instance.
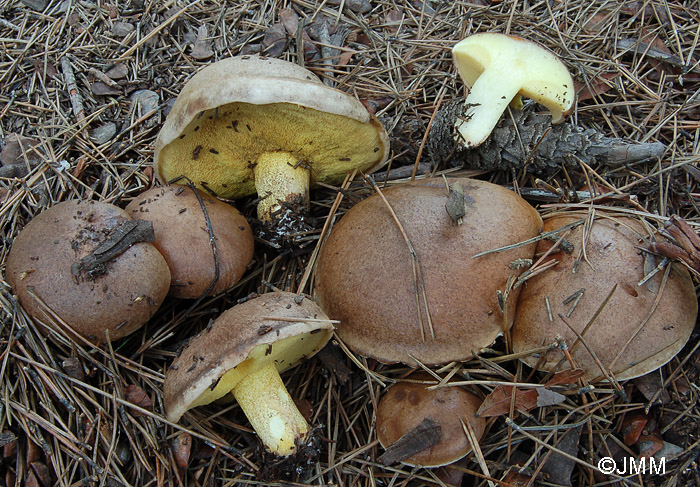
[[234, 110], [612, 258], [183, 238], [364, 275], [406, 405], [119, 301], [241, 341]]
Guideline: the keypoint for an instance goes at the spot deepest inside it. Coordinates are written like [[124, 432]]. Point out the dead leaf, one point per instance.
[[546, 397], [181, 446], [291, 23], [274, 40], [49, 69], [334, 360], [633, 427], [641, 47], [565, 377], [118, 71], [498, 402], [650, 445], [38, 475], [136, 396], [669, 451], [651, 385], [146, 101], [101, 89], [16, 146], [596, 87], [73, 368], [122, 29], [516, 479], [596, 22], [201, 49], [393, 20], [6, 438], [290, 20], [357, 6]]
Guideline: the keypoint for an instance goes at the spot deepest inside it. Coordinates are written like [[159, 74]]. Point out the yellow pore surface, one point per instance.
[[284, 354], [218, 149]]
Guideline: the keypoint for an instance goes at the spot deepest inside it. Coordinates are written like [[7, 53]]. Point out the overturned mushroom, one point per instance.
[[426, 299], [88, 264], [247, 125], [243, 353], [499, 69], [182, 221], [625, 324]]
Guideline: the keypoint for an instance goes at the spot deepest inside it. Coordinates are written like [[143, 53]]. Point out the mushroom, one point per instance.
[[182, 236], [367, 279], [57, 266], [407, 405], [499, 68], [243, 353], [632, 327], [247, 125]]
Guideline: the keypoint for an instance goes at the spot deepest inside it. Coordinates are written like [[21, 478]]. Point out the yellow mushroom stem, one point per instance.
[[280, 178], [271, 410], [486, 102]]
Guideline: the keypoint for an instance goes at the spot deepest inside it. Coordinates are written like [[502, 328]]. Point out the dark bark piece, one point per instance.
[[122, 237], [334, 360], [558, 467], [423, 436], [529, 138]]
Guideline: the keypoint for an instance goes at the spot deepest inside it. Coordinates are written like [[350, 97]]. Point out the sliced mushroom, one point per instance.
[[55, 268], [182, 235], [367, 279], [638, 329], [499, 68], [243, 353]]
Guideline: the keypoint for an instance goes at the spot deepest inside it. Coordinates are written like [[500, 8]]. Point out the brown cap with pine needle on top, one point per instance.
[[248, 125], [629, 327], [366, 278]]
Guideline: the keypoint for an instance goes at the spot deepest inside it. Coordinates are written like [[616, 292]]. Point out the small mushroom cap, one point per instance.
[[364, 275], [406, 405], [613, 251], [238, 108], [280, 327], [544, 78], [119, 301], [183, 238]]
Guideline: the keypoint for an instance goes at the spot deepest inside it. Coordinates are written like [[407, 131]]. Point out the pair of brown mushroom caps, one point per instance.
[[93, 267], [615, 321]]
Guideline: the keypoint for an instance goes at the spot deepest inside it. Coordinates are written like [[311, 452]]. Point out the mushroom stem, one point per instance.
[[271, 410], [486, 102], [282, 182]]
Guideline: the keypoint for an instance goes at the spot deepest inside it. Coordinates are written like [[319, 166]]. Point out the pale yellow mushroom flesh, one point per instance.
[[499, 69]]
